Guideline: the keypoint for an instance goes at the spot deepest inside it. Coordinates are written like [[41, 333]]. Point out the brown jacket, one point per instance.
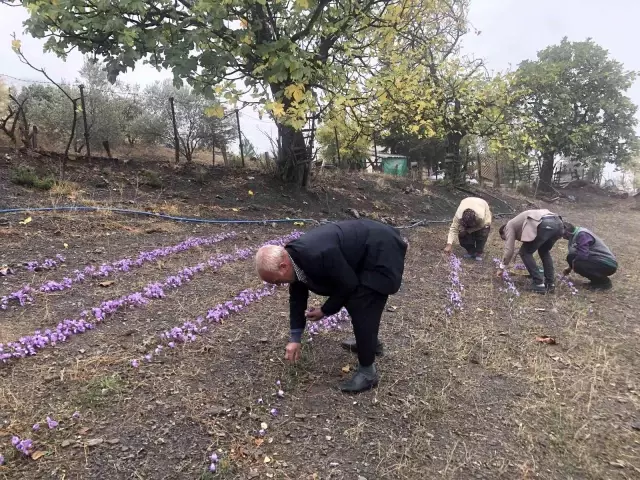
[[523, 227]]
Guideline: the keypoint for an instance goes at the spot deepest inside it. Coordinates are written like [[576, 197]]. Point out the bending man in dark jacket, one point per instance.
[[357, 264], [589, 256]]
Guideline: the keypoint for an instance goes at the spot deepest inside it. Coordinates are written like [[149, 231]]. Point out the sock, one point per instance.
[[369, 371]]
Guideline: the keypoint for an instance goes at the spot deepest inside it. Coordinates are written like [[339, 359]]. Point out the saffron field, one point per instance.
[[160, 355]]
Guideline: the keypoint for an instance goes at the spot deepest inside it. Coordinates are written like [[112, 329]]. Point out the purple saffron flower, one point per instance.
[[76, 415], [214, 458], [280, 393], [274, 412], [15, 440], [51, 423], [135, 363], [260, 401], [36, 427], [212, 467], [1, 459]]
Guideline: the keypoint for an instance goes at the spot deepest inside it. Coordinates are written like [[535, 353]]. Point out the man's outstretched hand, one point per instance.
[[314, 314], [567, 271], [293, 352], [448, 248]]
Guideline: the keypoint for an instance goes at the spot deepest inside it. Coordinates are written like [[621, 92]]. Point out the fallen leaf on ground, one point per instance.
[[267, 460], [546, 339], [259, 441], [346, 369], [106, 283], [4, 271], [25, 221], [264, 426], [38, 454]]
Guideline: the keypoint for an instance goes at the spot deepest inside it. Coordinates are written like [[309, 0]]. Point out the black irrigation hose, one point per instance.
[[201, 220]]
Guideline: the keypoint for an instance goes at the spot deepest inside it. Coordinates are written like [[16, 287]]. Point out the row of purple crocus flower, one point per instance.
[[30, 344], [24, 295]]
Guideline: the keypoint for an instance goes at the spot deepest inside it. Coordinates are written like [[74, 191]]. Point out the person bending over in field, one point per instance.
[[589, 257], [538, 230], [471, 223], [357, 264]]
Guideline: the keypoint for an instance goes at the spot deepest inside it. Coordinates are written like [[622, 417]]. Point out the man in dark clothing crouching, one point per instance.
[[357, 264], [589, 256]]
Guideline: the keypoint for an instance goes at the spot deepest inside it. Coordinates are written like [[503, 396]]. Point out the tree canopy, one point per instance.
[[574, 96]]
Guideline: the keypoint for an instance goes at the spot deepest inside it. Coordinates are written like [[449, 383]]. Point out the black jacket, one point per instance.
[[336, 258]]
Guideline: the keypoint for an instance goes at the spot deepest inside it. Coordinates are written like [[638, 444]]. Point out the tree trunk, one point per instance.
[[294, 158], [223, 150], [546, 172], [453, 166]]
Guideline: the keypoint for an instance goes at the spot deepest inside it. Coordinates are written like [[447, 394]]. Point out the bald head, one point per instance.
[[274, 265]]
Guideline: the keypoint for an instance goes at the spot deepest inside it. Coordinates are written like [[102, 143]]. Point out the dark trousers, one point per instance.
[[474, 242], [549, 232], [365, 307], [595, 271]]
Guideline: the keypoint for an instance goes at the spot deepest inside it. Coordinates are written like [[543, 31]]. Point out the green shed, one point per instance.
[[395, 165]]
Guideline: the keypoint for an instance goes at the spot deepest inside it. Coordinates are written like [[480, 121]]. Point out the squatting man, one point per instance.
[[357, 264]]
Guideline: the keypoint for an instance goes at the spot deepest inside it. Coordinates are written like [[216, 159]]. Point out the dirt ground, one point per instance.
[[467, 396]]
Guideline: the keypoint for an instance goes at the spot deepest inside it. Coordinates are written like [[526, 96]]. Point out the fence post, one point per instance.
[[375, 154], [240, 137], [176, 140], [213, 151], [335, 132], [84, 119]]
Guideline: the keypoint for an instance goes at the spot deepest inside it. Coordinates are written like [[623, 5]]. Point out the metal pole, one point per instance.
[[84, 119]]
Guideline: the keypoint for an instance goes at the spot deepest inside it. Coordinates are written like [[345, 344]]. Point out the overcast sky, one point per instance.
[[511, 31]]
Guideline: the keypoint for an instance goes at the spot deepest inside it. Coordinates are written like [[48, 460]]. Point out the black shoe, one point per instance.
[[539, 288], [352, 346], [359, 382], [601, 285], [551, 287]]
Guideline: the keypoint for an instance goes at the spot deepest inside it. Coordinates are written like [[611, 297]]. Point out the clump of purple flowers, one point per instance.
[[510, 287], [22, 296], [327, 324], [46, 264], [517, 266], [456, 288], [570, 285], [51, 423], [214, 461], [23, 446], [123, 265]]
